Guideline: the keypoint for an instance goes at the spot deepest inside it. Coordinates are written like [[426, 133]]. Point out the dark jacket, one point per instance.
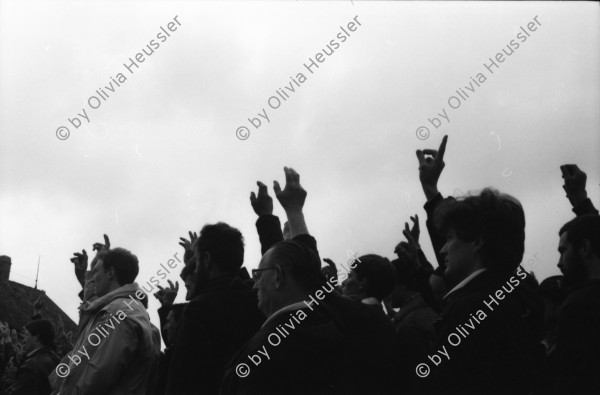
[[339, 347], [415, 335], [216, 323], [578, 341], [499, 353], [32, 376]]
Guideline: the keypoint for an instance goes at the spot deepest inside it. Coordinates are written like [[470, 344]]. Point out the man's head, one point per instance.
[[218, 250], [173, 319], [579, 249], [286, 274], [115, 268], [482, 231], [39, 333], [372, 276]]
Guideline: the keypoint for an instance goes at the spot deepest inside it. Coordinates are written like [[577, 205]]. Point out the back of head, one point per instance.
[[300, 262], [225, 245], [125, 263], [44, 330], [497, 219], [379, 273], [585, 227]]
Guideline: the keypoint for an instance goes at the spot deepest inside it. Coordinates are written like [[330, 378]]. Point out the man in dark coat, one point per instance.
[[489, 332], [577, 352], [221, 316], [32, 376], [314, 341]]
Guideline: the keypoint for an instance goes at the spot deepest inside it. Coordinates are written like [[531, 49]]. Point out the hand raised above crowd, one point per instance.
[[574, 183], [80, 261], [263, 203], [188, 245], [293, 196], [292, 199], [166, 296], [431, 164]]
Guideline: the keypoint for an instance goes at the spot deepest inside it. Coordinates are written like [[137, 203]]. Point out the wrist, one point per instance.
[[577, 197], [431, 191]]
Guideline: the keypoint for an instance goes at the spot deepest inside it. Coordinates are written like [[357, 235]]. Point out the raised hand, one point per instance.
[[431, 164], [574, 186], [412, 249], [263, 204], [415, 231], [166, 296], [102, 247], [293, 195], [80, 260], [188, 245]]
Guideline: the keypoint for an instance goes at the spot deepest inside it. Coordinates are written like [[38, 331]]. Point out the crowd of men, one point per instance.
[[472, 322]]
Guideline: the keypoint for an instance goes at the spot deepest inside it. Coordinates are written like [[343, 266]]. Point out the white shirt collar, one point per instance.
[[371, 300], [465, 281]]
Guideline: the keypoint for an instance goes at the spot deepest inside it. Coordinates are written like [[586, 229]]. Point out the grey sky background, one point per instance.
[[160, 155]]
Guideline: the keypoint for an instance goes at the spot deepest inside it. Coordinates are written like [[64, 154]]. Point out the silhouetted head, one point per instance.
[[372, 276], [482, 231], [218, 250], [39, 333], [115, 268], [286, 274], [579, 249]]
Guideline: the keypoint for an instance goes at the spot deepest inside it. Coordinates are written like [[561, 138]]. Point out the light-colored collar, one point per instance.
[[465, 281], [371, 300], [290, 307]]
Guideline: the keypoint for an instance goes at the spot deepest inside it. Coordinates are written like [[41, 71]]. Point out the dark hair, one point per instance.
[[125, 264], [44, 330], [300, 262], [379, 273], [583, 227], [495, 218], [225, 245]]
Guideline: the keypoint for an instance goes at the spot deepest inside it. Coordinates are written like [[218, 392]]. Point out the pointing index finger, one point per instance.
[[442, 149]]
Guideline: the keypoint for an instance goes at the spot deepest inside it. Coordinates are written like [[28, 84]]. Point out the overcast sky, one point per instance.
[[159, 156]]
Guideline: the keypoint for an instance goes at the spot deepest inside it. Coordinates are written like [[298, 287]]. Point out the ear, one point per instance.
[[477, 246], [204, 261], [585, 249], [279, 277], [111, 273]]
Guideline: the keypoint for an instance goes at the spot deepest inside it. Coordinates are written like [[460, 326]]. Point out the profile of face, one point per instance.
[[354, 286], [103, 278], [30, 341], [171, 328], [459, 257], [265, 282], [570, 263]]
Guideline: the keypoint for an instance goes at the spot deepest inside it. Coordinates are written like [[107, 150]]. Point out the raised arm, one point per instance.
[[292, 199], [431, 164], [267, 224]]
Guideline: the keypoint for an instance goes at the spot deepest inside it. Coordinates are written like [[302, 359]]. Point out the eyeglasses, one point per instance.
[[255, 272]]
